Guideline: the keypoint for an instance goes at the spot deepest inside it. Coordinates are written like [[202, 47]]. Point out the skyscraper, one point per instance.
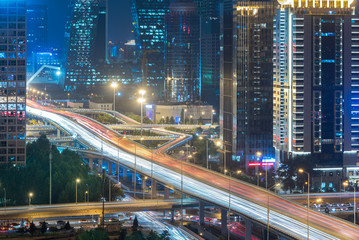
[[148, 19], [315, 80], [209, 12], [183, 72], [246, 83], [37, 28], [87, 44], [12, 82]]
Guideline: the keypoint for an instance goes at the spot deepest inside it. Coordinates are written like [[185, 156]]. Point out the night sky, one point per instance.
[[119, 20]]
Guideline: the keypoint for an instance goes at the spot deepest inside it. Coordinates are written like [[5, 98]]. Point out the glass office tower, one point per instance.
[[12, 82]]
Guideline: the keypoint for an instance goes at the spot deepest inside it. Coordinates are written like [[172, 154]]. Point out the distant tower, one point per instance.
[[183, 72], [316, 79], [13, 82], [87, 44], [148, 19]]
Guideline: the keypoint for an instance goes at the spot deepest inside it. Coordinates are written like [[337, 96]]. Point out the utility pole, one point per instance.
[[50, 158]]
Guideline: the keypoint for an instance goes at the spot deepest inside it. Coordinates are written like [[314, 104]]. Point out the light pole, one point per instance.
[[224, 154], [258, 154], [86, 192], [50, 158], [201, 138], [268, 193], [135, 178], [30, 197], [114, 85], [141, 101], [77, 182], [229, 199], [302, 171], [184, 116], [212, 116], [4, 198]]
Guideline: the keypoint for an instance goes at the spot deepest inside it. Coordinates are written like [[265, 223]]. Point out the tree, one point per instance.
[[165, 234], [67, 226], [153, 236], [200, 120], [43, 227], [123, 234], [94, 234], [162, 121], [135, 224], [167, 120], [32, 228], [182, 116], [288, 171], [172, 120]]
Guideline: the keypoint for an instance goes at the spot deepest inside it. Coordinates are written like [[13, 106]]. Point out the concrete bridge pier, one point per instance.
[[144, 179], [99, 164], [166, 194], [118, 172], [124, 173], [154, 188], [224, 229], [248, 224], [172, 215], [91, 163], [58, 133], [110, 168], [201, 213]]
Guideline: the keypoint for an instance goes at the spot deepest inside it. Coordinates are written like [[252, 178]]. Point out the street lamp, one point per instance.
[[229, 198], [77, 182], [219, 144], [142, 100], [268, 192], [184, 116], [86, 194], [30, 197], [114, 85], [4, 198], [213, 112], [302, 171], [259, 155], [201, 138]]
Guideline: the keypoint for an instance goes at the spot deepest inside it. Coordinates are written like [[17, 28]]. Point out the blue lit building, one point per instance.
[[37, 33], [183, 70], [87, 44], [12, 82], [148, 19], [316, 81]]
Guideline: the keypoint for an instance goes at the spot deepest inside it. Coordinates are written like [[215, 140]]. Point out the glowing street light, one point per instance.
[[77, 182], [302, 171], [142, 100], [30, 197], [114, 85]]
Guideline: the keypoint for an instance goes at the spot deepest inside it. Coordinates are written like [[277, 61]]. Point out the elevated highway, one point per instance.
[[87, 209], [248, 200]]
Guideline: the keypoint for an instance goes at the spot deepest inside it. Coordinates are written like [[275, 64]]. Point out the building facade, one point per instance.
[[87, 44], [209, 12], [246, 80], [13, 82], [183, 69], [149, 21], [316, 74]]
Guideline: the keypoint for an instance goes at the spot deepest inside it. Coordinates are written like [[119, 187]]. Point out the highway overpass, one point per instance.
[[88, 209], [246, 199]]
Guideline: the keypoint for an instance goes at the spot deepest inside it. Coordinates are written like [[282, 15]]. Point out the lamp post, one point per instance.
[[141, 101], [201, 138], [229, 198], [50, 160], [224, 154], [77, 182], [302, 171], [114, 85], [4, 198], [258, 154], [184, 116], [30, 197], [268, 193], [213, 112]]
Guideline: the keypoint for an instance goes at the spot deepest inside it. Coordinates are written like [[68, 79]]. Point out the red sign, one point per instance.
[[261, 164]]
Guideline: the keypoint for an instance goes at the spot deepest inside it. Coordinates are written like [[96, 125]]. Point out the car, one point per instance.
[[113, 220]]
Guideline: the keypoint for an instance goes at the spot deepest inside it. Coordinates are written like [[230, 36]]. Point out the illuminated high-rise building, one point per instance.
[[12, 82], [316, 80], [247, 81], [86, 44], [183, 72], [148, 19]]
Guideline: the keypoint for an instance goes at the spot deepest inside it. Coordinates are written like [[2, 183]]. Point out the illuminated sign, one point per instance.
[[149, 106], [261, 164]]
